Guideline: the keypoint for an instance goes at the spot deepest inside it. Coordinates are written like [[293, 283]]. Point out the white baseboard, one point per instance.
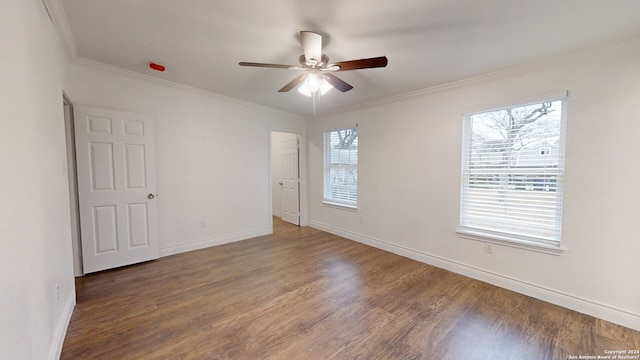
[[219, 240], [55, 350], [276, 213], [582, 305]]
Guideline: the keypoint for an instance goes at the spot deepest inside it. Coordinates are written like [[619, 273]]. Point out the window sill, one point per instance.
[[340, 205], [510, 241]]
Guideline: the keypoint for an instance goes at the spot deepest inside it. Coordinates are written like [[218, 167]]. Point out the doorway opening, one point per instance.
[[285, 176]]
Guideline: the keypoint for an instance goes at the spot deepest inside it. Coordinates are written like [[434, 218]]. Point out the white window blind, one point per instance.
[[341, 167], [512, 172]]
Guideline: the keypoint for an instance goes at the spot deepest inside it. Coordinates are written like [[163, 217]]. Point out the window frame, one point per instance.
[[501, 236], [327, 166]]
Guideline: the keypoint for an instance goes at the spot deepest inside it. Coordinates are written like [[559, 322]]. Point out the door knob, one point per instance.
[[280, 183], [151, 196]]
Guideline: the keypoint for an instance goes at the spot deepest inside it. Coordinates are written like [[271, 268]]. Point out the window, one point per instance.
[[512, 170], [341, 167]]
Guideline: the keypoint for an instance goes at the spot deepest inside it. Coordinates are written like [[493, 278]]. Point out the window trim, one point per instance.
[[519, 242], [327, 201], [333, 204], [537, 244]]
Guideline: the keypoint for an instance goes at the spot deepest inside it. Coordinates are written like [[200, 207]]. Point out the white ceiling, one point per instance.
[[428, 42]]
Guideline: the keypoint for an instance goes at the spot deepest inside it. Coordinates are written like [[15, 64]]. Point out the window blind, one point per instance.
[[512, 172], [341, 166]]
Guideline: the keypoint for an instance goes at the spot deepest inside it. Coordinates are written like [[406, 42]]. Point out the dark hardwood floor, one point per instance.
[[305, 294]]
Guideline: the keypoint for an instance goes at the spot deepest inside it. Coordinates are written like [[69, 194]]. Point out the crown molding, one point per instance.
[[167, 83], [600, 50], [61, 24], [511, 71]]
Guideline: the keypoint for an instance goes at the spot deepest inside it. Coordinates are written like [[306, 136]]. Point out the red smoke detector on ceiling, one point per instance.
[[156, 67]]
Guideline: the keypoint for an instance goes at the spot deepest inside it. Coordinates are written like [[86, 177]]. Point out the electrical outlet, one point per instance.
[[57, 292], [488, 248], [362, 219], [203, 224]]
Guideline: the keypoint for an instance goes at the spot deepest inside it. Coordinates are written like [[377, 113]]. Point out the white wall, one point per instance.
[[34, 202], [411, 206], [212, 154]]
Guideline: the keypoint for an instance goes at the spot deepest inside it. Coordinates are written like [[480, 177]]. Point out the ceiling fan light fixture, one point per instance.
[[321, 84], [312, 83], [304, 91], [325, 87]]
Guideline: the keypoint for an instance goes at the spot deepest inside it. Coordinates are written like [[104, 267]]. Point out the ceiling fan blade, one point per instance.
[[312, 45], [338, 83], [293, 84], [278, 66], [362, 63]]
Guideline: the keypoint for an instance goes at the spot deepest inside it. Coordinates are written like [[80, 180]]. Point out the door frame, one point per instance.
[[74, 205], [302, 168]]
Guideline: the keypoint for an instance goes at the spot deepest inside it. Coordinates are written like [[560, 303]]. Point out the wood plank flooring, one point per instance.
[[305, 294]]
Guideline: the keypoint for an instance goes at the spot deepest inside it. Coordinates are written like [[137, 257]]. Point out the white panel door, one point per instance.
[[116, 188], [290, 179]]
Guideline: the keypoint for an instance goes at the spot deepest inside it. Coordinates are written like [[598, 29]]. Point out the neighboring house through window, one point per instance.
[[341, 167], [512, 172]]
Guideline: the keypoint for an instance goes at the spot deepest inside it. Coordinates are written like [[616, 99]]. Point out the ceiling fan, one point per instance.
[[317, 68]]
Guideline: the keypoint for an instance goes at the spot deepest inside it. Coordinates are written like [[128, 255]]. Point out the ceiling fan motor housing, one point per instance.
[[313, 63]]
